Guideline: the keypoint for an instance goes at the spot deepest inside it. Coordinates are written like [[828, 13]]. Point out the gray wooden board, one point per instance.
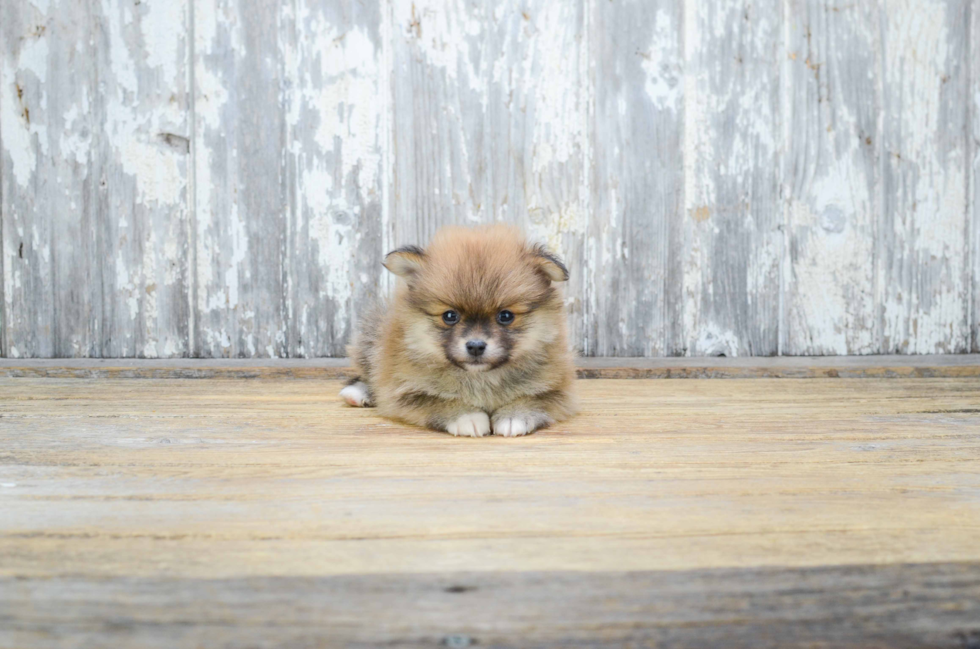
[[893, 606], [239, 180], [831, 178], [332, 56], [94, 168], [50, 263], [634, 237], [221, 179], [732, 219], [974, 180], [923, 237], [438, 94], [142, 72]]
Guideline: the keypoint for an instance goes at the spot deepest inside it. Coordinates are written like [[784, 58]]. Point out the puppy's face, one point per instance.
[[477, 299]]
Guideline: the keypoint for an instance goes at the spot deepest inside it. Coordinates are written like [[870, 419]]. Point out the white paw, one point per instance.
[[472, 424], [357, 395], [514, 426]]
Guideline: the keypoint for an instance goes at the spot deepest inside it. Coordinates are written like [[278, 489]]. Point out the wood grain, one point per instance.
[[439, 91], [334, 73], [143, 79], [221, 179], [634, 293], [732, 216], [153, 512], [973, 140], [831, 178], [47, 266], [923, 240], [919, 605], [94, 198], [240, 182]]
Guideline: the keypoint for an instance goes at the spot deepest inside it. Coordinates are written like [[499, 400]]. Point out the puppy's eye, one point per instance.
[[450, 317], [505, 317]]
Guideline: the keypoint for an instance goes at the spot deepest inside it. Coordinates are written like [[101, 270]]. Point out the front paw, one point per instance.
[[516, 424], [472, 424], [357, 394]]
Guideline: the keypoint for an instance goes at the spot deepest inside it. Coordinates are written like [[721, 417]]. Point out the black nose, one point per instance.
[[476, 347]]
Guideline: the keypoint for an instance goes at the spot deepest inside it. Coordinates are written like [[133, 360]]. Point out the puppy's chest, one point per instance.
[[483, 392]]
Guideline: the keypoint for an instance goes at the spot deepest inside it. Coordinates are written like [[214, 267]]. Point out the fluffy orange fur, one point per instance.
[[413, 364]]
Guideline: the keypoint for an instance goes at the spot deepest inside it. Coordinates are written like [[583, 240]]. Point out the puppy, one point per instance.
[[474, 340]]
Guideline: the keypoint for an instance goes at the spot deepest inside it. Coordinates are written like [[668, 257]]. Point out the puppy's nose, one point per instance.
[[476, 347]]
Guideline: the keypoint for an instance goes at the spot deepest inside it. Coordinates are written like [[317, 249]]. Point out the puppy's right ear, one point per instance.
[[406, 261], [550, 264]]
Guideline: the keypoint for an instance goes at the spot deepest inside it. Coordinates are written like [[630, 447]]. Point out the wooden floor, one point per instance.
[[738, 513]]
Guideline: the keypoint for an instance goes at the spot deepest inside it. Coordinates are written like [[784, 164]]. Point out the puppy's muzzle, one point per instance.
[[475, 348]]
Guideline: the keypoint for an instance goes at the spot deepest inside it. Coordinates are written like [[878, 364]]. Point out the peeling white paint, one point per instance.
[[16, 132], [833, 279], [730, 151], [552, 79], [925, 309], [442, 32], [158, 178], [699, 190], [347, 102], [23, 104], [34, 58], [76, 142], [335, 118], [121, 60], [133, 129], [162, 28], [664, 72], [239, 252], [715, 341], [467, 112]]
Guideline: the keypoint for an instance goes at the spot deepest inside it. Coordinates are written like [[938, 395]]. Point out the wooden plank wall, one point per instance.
[[221, 178]]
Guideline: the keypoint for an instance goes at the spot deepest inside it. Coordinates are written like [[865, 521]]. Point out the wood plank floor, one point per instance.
[[762, 512]]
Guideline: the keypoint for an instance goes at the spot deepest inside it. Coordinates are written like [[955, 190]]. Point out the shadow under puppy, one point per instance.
[[474, 340]]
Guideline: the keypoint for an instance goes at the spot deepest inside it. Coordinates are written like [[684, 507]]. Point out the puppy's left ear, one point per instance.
[[550, 264], [405, 262]]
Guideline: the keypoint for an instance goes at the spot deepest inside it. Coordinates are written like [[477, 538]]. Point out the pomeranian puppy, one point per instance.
[[474, 341]]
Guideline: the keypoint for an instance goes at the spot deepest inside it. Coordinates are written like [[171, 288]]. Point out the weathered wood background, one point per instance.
[[222, 177]]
